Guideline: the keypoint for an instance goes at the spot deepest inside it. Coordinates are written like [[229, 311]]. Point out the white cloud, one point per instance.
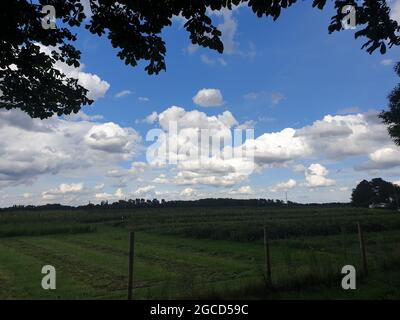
[[143, 99], [96, 87], [82, 148], [333, 137], [384, 158], [263, 96], [208, 98], [278, 147], [119, 193], [81, 116], [63, 189], [249, 124], [387, 62], [299, 168], [123, 93], [341, 136], [151, 118], [188, 193], [161, 179], [34, 147], [386, 155], [210, 61], [316, 176], [73, 187], [228, 29], [206, 169], [103, 196], [138, 167], [245, 190], [110, 137], [144, 191], [284, 186]]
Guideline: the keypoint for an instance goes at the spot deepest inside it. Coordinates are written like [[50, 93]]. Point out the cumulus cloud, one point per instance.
[[63, 189], [161, 179], [138, 167], [110, 137], [341, 136], [208, 98], [199, 163], [33, 147], [245, 190], [384, 158], [151, 118], [333, 137], [278, 147], [284, 186], [145, 191], [96, 87], [81, 116], [316, 176], [74, 147], [117, 195], [188, 193]]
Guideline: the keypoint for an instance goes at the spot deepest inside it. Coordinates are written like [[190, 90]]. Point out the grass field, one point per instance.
[[199, 253]]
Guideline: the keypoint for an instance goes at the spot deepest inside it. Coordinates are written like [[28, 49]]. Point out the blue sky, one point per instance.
[[274, 75]]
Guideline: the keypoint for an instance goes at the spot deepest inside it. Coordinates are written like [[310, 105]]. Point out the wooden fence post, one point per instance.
[[130, 268], [362, 248], [267, 257]]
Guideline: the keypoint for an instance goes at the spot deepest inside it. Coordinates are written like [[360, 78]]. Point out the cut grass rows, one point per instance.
[[102, 267], [94, 265]]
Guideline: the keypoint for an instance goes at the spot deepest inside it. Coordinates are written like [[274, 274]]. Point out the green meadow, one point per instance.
[[200, 253]]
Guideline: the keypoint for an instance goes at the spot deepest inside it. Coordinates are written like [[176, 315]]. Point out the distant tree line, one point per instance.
[[376, 192], [155, 203]]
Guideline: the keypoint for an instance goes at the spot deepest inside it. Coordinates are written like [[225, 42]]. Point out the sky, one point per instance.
[[311, 97]]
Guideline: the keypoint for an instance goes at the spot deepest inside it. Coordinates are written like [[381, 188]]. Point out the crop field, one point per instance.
[[200, 253]]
